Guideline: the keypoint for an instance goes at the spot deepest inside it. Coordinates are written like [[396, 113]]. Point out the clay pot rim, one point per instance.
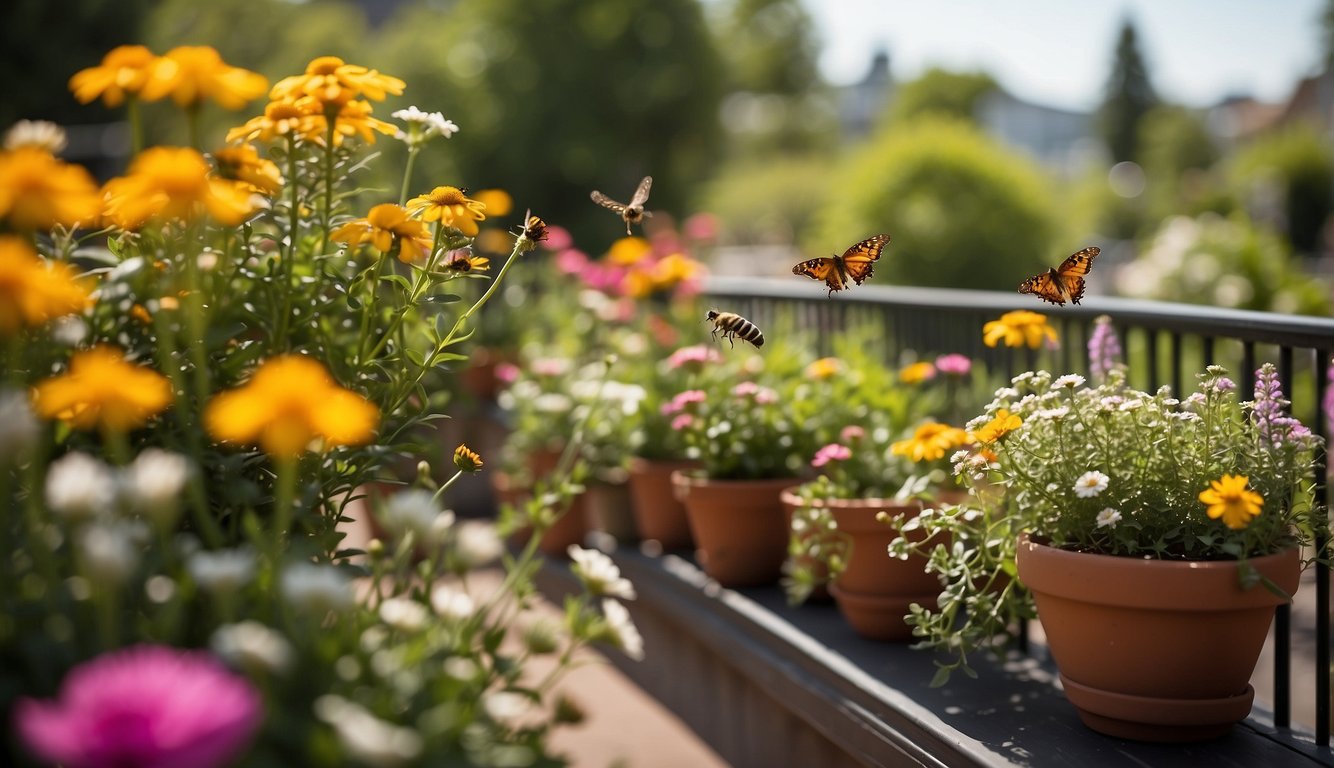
[[639, 463], [685, 478], [1130, 582]]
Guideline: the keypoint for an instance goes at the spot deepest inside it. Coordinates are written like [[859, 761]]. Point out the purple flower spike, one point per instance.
[[1104, 348], [148, 705]]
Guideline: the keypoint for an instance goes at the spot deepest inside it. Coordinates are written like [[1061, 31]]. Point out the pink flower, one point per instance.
[[766, 396], [851, 433], [745, 389], [507, 372], [558, 238], [697, 354], [831, 452], [954, 364], [701, 226], [682, 421], [550, 366], [686, 398], [149, 705], [570, 261]]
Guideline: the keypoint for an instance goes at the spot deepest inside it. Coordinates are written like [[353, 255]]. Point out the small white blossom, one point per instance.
[[1071, 380], [316, 588], [1131, 405], [80, 487], [403, 614], [599, 574], [153, 483], [69, 331], [508, 708], [624, 633], [451, 603], [414, 510], [462, 668], [1108, 517], [252, 646], [19, 427], [107, 553], [476, 543], [42, 134], [1091, 484], [1054, 414], [1185, 416], [1006, 393], [423, 125], [223, 570], [366, 737]]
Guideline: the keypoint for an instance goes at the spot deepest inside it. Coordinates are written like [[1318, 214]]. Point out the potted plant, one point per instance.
[[836, 537], [1152, 535], [750, 443]]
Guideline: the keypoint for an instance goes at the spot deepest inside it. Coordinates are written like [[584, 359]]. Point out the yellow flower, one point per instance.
[[824, 368], [173, 183], [189, 74], [244, 164], [1019, 328], [39, 191], [930, 442], [289, 402], [33, 291], [628, 251], [917, 373], [636, 284], [673, 269], [449, 206], [124, 71], [386, 224], [467, 460], [354, 119], [302, 119], [1228, 498], [1003, 424], [497, 201], [103, 389], [333, 81]]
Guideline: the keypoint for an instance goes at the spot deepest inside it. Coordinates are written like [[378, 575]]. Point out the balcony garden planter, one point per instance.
[[739, 527], [609, 510], [659, 515], [1154, 650]]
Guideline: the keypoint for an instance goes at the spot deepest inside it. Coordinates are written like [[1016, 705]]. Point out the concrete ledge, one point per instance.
[[765, 684]]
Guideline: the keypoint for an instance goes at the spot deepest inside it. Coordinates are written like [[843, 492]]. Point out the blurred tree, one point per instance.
[[1177, 154], [1284, 180], [1327, 35], [771, 200], [944, 93], [561, 97], [1129, 97], [964, 211], [43, 43]]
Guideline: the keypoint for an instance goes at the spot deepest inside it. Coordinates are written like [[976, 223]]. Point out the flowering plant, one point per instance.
[[1108, 469], [203, 360]]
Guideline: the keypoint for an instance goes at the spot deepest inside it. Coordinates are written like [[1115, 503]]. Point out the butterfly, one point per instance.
[[856, 263], [633, 213], [1064, 282]]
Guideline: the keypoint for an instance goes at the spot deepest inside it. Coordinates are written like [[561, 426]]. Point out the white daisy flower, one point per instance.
[[451, 603], [623, 631], [1108, 517], [1071, 380], [251, 645], [599, 573], [403, 614], [1091, 484]]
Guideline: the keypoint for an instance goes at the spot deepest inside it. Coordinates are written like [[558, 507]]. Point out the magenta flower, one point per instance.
[[682, 421], [551, 366], [831, 452], [686, 398], [149, 705], [766, 396], [507, 373], [558, 238], [696, 355], [954, 364], [701, 226], [851, 433], [745, 389], [570, 261]]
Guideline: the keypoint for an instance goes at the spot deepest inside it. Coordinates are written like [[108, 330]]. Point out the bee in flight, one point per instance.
[[1064, 282], [735, 326], [856, 263], [633, 213]]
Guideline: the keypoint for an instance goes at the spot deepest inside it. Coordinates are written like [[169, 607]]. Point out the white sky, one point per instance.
[[1059, 52]]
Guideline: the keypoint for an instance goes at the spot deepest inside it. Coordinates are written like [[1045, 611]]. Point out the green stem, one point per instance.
[[136, 125], [327, 214], [284, 497], [445, 486], [192, 123], [407, 175], [287, 268], [368, 307]]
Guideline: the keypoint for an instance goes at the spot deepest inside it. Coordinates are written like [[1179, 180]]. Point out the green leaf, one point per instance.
[[399, 280], [443, 298], [941, 677]]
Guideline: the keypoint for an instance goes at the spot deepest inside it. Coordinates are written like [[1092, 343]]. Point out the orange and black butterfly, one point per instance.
[[633, 213], [856, 264], [1064, 282]]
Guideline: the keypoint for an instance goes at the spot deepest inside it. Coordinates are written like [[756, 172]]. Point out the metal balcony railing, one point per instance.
[[1165, 344]]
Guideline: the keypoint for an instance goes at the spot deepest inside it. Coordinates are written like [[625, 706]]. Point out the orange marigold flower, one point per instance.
[[124, 72], [628, 251], [354, 119], [385, 225], [189, 74], [1019, 328], [1229, 498], [930, 442], [290, 402], [244, 164], [103, 389], [824, 368], [1003, 424], [333, 81], [917, 373], [466, 459], [302, 119], [32, 290], [173, 183], [636, 284], [39, 191], [449, 206]]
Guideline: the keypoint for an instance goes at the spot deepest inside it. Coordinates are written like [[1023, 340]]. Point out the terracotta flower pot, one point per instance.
[[1154, 650], [609, 510], [659, 515], [739, 527], [874, 590], [570, 528]]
